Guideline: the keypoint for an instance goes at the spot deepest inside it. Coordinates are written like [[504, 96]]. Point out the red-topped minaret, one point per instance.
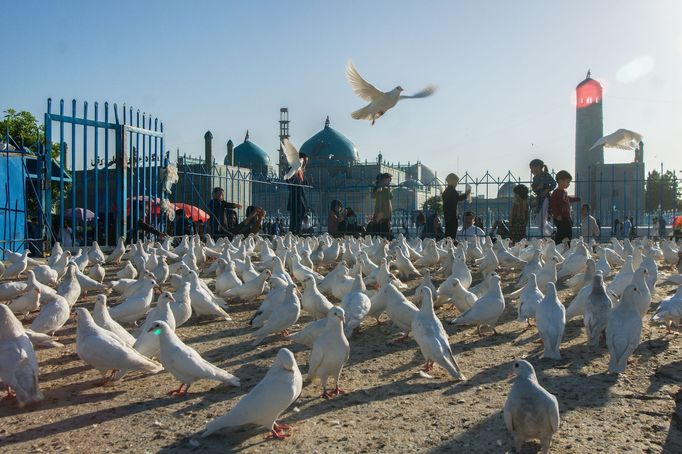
[[589, 127]]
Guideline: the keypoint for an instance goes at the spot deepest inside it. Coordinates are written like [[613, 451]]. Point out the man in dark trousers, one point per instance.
[[297, 204], [223, 217]]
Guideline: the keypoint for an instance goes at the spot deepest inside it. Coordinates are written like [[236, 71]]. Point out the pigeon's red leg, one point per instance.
[[285, 333], [274, 434], [179, 391], [10, 394], [326, 395], [281, 426], [338, 391], [428, 366]]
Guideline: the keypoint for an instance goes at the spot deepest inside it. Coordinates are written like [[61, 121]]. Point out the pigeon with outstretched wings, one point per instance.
[[291, 153], [622, 139], [379, 102]]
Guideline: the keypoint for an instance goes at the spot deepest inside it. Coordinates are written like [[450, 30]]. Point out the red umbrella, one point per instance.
[[196, 213]]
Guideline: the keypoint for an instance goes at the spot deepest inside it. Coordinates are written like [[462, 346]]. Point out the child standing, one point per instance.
[[519, 213], [543, 184], [560, 207], [450, 199]]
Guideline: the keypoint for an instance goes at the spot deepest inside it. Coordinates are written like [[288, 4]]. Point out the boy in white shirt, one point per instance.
[[589, 229], [469, 230]]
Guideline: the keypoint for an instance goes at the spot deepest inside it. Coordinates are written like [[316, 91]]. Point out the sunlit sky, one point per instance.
[[506, 72]]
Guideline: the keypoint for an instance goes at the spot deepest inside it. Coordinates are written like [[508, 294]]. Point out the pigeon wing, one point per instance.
[[361, 87], [291, 153]]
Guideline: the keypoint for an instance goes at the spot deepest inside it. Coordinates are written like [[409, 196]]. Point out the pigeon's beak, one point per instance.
[[510, 374], [171, 298], [151, 329]]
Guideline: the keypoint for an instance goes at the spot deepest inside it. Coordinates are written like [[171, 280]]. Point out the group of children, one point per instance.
[[551, 199]]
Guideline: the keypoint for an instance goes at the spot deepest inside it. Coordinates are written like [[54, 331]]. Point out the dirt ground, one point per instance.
[[389, 406]]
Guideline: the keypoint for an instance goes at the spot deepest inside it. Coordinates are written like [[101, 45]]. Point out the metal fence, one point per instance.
[[97, 175]]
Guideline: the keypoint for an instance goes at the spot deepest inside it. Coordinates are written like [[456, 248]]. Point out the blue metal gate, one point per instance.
[[114, 165]]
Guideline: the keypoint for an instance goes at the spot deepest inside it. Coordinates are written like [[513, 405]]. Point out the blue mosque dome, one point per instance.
[[250, 155], [330, 148]]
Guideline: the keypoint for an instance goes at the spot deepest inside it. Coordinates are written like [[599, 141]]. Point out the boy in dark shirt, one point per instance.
[[560, 207]]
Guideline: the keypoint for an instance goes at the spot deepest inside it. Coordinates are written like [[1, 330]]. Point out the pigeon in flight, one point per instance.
[[291, 153], [379, 102], [622, 139]]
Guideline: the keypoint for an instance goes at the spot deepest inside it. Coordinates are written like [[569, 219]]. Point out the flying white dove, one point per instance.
[[280, 387], [379, 102], [291, 153], [622, 139]]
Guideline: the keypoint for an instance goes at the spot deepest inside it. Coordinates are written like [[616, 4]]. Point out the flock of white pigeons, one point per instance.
[[339, 284]]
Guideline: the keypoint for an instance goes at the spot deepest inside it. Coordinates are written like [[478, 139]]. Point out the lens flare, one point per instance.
[[635, 69]]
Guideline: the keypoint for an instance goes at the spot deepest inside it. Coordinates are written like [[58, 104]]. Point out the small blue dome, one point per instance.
[[330, 148], [250, 155]]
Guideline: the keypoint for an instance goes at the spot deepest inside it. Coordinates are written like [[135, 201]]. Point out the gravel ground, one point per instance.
[[389, 406]]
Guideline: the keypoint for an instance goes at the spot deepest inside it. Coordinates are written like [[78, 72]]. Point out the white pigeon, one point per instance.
[[529, 300], [356, 305], [575, 263], [42, 340], [103, 351], [596, 311], [18, 361], [182, 306], [330, 353], [547, 273], [263, 405], [624, 329], [184, 363], [203, 302], [96, 255], [550, 319], [310, 332], [271, 300], [161, 272], [462, 298], [147, 343], [282, 317], [117, 253], [249, 290], [127, 272], [46, 275], [11, 290], [100, 315], [89, 284], [70, 287], [52, 316], [669, 310], [228, 278], [312, 301], [18, 267], [379, 102], [622, 139], [97, 273], [530, 412], [432, 339], [400, 310], [487, 309], [406, 269], [136, 305], [291, 154], [26, 303]]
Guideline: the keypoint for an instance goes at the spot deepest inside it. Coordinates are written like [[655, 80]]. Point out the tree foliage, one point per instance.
[[662, 190], [434, 203]]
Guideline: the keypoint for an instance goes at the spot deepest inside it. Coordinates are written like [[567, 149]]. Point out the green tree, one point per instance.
[[23, 128], [434, 203], [662, 190]]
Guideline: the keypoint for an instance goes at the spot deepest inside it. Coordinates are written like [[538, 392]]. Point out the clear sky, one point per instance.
[[506, 72]]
